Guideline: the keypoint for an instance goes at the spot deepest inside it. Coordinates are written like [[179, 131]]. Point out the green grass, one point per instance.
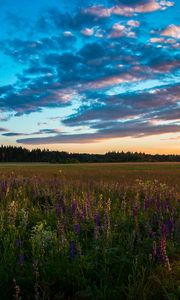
[[101, 231]]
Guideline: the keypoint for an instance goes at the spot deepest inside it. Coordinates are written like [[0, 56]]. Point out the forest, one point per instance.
[[20, 154]]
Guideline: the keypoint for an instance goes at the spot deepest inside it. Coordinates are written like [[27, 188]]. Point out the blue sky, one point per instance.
[[91, 75]]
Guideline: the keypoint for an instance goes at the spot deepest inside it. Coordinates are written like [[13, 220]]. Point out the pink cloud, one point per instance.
[[101, 11], [133, 23], [161, 40], [122, 10], [157, 40], [98, 11], [152, 5], [119, 30], [87, 31], [111, 81], [172, 31], [166, 66]]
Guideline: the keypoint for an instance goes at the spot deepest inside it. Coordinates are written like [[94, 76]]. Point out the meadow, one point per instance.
[[90, 231]]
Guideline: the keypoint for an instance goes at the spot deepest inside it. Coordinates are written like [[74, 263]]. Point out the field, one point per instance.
[[90, 231]]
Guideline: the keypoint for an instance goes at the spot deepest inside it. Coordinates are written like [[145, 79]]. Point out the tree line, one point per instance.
[[20, 154]]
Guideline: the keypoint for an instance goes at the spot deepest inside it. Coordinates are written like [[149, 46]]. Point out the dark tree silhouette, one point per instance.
[[19, 154]]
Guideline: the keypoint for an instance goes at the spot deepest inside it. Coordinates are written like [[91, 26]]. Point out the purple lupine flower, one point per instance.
[[63, 204], [58, 209], [147, 203], [97, 219], [158, 205], [164, 230], [60, 228], [169, 225], [72, 249], [152, 234], [4, 187], [166, 206], [19, 243], [161, 251], [163, 258], [74, 208], [77, 228]]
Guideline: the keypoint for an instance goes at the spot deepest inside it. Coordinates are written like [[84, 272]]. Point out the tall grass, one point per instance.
[[64, 239]]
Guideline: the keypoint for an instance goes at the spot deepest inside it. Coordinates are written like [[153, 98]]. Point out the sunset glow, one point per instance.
[[94, 77]]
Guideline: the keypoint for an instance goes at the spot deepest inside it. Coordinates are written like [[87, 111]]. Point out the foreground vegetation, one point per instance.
[[86, 233]]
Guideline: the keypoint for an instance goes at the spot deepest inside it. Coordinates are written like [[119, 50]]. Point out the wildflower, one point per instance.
[[4, 187], [97, 219], [19, 243], [147, 203], [77, 228], [58, 209], [169, 225], [161, 253], [97, 225], [152, 234], [12, 211], [158, 206], [74, 208], [164, 230]]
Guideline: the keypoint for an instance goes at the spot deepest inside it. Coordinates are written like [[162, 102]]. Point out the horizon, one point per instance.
[[91, 153], [91, 77]]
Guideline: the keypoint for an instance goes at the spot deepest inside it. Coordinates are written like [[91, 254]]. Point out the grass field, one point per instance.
[[90, 231], [121, 172]]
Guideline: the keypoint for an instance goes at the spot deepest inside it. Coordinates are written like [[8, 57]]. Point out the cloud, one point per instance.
[[133, 129], [3, 129], [145, 105], [83, 56], [98, 10], [133, 23], [56, 78], [11, 134], [111, 81], [127, 8], [68, 34], [168, 37], [172, 31], [40, 132], [119, 30], [33, 99], [87, 31], [173, 138]]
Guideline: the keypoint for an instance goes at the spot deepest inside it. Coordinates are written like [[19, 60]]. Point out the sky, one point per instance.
[[90, 76]]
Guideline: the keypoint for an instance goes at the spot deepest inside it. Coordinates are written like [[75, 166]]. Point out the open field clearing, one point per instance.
[[90, 231], [119, 172]]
